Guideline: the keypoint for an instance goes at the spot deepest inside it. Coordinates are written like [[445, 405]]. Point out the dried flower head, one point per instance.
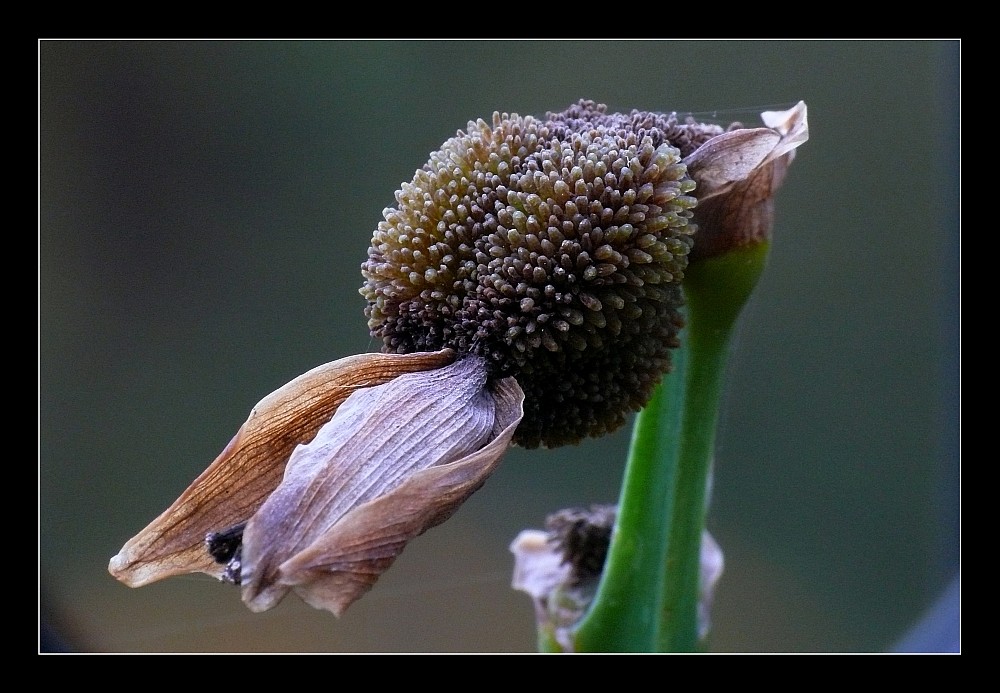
[[555, 248], [560, 569]]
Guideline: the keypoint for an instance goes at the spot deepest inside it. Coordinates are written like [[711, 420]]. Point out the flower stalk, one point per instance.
[[652, 593], [649, 598], [624, 614], [716, 290]]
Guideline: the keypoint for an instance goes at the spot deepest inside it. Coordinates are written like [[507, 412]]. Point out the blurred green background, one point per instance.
[[204, 210]]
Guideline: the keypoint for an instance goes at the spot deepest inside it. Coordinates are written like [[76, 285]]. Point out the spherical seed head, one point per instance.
[[554, 248]]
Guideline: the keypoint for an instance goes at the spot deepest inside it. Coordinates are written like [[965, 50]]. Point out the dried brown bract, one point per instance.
[[331, 476]]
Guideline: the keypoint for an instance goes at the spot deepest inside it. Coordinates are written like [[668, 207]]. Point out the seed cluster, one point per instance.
[[554, 248], [582, 536]]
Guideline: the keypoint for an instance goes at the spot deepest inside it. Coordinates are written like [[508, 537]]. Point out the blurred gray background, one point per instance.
[[204, 210]]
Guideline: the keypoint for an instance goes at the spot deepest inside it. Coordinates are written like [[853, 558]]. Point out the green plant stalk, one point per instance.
[[625, 613], [649, 591], [716, 290]]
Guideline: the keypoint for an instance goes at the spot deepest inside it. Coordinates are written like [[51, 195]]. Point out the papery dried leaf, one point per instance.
[[394, 461], [712, 564], [738, 173], [729, 158], [239, 480], [792, 125], [539, 569]]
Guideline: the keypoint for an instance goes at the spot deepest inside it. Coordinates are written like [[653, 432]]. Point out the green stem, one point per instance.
[[648, 596], [624, 616], [716, 291]]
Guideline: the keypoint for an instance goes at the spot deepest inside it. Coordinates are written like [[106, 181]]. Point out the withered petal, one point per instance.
[[728, 159], [394, 462], [249, 469], [733, 156], [792, 125], [737, 174]]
